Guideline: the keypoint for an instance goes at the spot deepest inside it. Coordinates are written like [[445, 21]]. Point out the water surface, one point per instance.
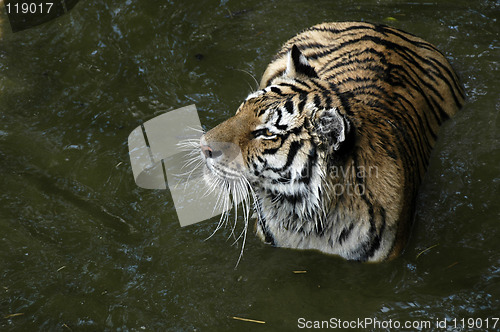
[[83, 248]]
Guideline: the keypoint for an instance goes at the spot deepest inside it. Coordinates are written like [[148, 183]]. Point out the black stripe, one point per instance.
[[438, 74], [380, 92], [272, 150], [374, 67], [317, 84], [368, 90], [302, 103], [346, 232], [355, 53], [453, 80], [343, 97], [327, 100], [372, 236], [440, 109], [294, 148], [413, 146], [434, 64], [325, 92], [302, 82], [293, 198], [403, 35], [377, 237], [303, 38], [409, 139], [305, 175], [339, 31], [419, 132], [358, 80], [317, 101], [285, 178], [410, 80], [427, 127], [268, 237], [289, 106], [305, 43], [424, 72], [405, 117], [277, 123], [294, 88], [276, 90]]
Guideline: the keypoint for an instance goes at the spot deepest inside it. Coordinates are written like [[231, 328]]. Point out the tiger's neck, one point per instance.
[[302, 206]]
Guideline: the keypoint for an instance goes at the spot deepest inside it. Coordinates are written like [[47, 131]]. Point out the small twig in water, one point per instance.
[[420, 253], [249, 320], [14, 315]]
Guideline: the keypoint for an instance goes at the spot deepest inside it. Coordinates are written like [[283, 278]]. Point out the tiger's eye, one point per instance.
[[264, 132]]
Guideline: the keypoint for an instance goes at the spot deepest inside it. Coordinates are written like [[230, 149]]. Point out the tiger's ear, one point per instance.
[[298, 65], [332, 128]]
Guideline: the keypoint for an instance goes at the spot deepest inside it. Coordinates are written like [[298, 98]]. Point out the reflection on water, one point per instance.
[[82, 247]]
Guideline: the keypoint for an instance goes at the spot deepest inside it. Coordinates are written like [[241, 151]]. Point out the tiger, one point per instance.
[[333, 145]]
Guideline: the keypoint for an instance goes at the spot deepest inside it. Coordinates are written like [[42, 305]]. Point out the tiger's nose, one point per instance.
[[208, 152]]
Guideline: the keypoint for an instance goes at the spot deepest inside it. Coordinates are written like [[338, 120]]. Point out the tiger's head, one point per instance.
[[280, 140]]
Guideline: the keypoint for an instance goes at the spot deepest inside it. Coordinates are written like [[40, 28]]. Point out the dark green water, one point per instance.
[[83, 248]]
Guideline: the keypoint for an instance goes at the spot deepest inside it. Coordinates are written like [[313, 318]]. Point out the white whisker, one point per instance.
[[252, 76], [229, 188]]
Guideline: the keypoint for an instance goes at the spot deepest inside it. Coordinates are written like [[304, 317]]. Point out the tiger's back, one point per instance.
[[376, 62], [376, 97]]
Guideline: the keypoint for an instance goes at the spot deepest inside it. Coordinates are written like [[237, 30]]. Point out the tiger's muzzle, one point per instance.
[[223, 159]]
